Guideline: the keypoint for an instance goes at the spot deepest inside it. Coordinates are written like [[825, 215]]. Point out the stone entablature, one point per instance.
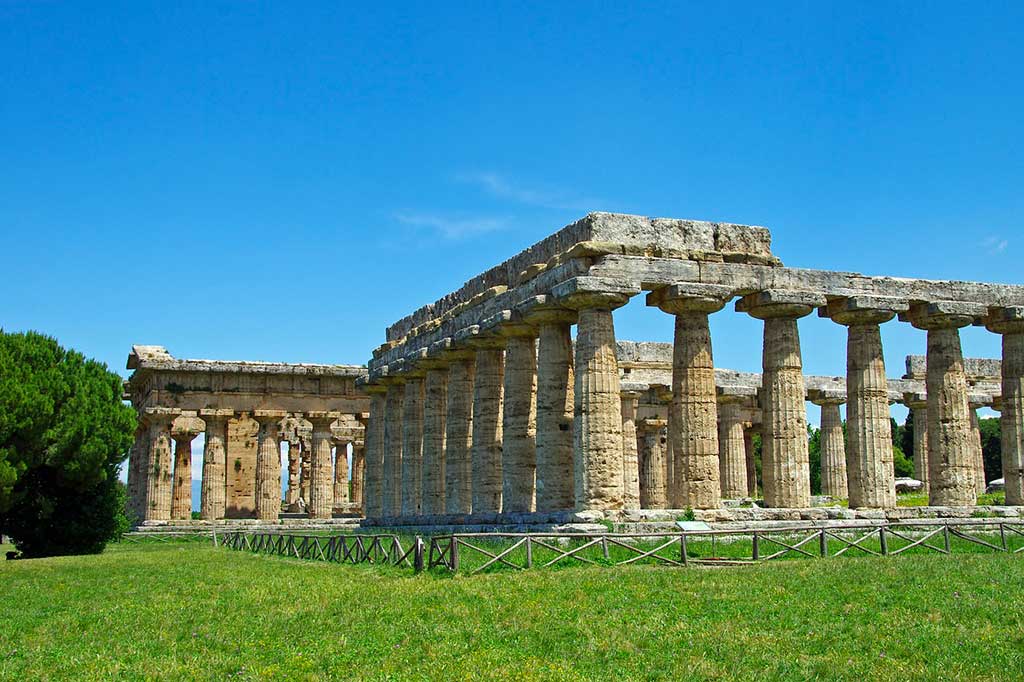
[[246, 409], [692, 269]]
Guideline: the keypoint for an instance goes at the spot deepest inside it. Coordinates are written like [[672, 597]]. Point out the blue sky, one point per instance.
[[280, 182]]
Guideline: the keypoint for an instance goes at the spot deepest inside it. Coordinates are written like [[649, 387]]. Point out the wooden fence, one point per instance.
[[478, 552]]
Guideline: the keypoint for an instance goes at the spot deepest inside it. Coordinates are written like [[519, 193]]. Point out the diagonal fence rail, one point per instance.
[[480, 552]]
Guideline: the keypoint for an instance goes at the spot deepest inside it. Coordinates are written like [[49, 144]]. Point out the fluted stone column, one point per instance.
[[597, 411], [393, 447], [458, 463], [694, 412], [732, 454], [358, 476], [340, 474], [950, 455], [653, 442], [486, 451], [158, 471], [519, 418], [1009, 322], [980, 482], [630, 454], [181, 499], [784, 461], [136, 469], [268, 465], [834, 475], [435, 409], [373, 493], [917, 403], [412, 444], [555, 486], [321, 489], [291, 494], [304, 474], [751, 456], [213, 492], [869, 456]]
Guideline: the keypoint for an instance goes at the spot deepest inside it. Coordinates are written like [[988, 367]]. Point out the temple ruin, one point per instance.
[[246, 411], [481, 405]]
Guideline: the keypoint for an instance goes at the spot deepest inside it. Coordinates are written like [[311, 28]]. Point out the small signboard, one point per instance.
[[692, 525]]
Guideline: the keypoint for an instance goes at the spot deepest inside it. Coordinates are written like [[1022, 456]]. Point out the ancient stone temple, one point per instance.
[[246, 410], [481, 403]]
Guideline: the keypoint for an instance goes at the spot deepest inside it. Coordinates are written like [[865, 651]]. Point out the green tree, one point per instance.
[[991, 447], [64, 433], [814, 458]]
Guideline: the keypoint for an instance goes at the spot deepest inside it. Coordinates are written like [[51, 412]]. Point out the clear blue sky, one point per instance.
[[280, 182]]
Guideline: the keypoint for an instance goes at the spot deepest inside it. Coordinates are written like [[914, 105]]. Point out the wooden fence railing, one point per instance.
[[478, 552]]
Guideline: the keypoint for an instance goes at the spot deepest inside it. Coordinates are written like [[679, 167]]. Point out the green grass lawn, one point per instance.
[[189, 610]]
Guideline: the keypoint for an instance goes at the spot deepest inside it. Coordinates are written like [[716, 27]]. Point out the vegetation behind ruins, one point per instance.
[[188, 611]]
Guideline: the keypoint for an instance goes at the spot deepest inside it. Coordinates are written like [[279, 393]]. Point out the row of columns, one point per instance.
[[160, 482]]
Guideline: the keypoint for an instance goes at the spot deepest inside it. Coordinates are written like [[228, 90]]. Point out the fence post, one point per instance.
[[945, 536], [823, 543], [682, 549], [1002, 536], [604, 547], [417, 556], [529, 552], [215, 537], [882, 541], [455, 553], [756, 553]]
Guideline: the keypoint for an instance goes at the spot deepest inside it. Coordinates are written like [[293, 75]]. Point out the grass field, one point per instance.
[[189, 610]]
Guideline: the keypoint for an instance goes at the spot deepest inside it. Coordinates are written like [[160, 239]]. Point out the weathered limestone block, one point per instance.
[[784, 460], [555, 487], [321, 492], [519, 419], [158, 471], [435, 408], [834, 475], [917, 403], [458, 463], [694, 410], [597, 412], [181, 500], [630, 454], [412, 445], [392, 483], [487, 434], [950, 455], [653, 441], [268, 465], [340, 501], [1009, 322], [732, 452], [373, 493]]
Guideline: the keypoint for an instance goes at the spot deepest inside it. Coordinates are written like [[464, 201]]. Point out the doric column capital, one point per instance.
[[208, 415], [862, 309], [264, 417], [160, 416], [651, 424], [915, 401], [943, 314], [735, 394], [322, 419], [581, 293], [1005, 320], [826, 396], [542, 310], [476, 338], [690, 297], [780, 303], [449, 351]]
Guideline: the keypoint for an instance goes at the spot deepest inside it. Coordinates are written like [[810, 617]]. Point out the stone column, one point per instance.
[[181, 499], [373, 493], [358, 475], [321, 489], [694, 411], [213, 492], [393, 446], [555, 487], [458, 463], [340, 502], [1009, 322], [136, 469], [519, 417], [950, 455], [158, 472], [834, 474], [630, 453], [291, 494], [748, 449], [784, 464], [486, 450], [917, 403], [412, 443], [435, 409], [732, 455], [653, 441], [304, 473], [869, 457], [597, 410], [268, 465], [980, 480]]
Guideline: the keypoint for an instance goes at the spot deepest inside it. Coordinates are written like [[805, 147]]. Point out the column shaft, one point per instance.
[[653, 443], [784, 462], [487, 435], [458, 469], [358, 477], [340, 476], [212, 499], [869, 456], [268, 469], [393, 450], [950, 455], [833, 453], [630, 454], [1012, 417], [158, 472], [921, 445], [291, 495], [373, 493], [136, 471], [519, 425], [321, 490], [181, 500], [555, 488], [412, 446], [751, 456], [434, 416], [733, 456]]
